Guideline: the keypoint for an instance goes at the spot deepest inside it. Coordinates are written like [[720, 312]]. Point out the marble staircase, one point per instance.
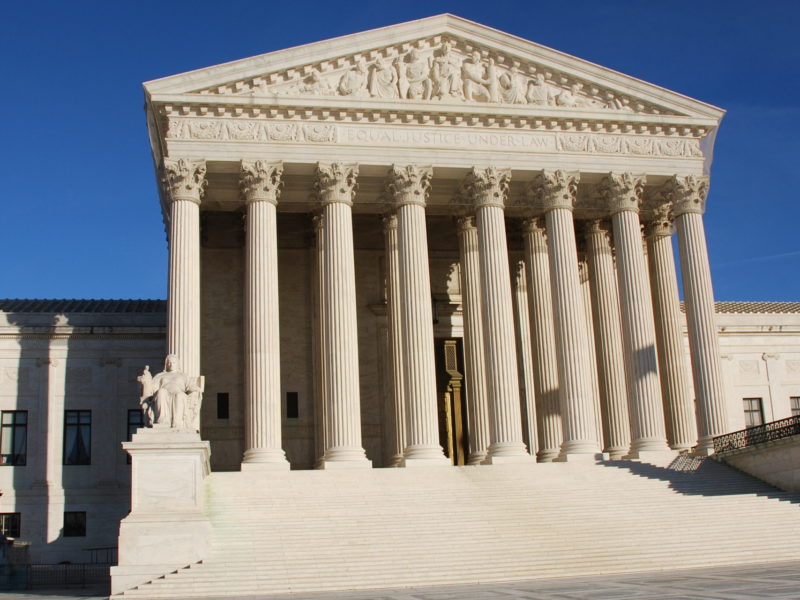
[[375, 528]]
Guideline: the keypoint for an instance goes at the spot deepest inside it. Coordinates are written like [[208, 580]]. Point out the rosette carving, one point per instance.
[[622, 191], [485, 187], [686, 194], [185, 179], [336, 182], [554, 189], [260, 181], [409, 184]]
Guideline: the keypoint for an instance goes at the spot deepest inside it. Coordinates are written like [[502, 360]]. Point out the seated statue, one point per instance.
[[171, 398]]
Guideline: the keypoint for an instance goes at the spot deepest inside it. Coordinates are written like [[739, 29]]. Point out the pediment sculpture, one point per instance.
[[445, 70], [171, 399]]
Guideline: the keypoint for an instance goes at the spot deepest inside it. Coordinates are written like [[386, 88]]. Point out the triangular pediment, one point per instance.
[[442, 59]]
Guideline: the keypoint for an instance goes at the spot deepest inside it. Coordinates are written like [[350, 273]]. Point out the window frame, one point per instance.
[[794, 406], [4, 518], [748, 410], [14, 429], [71, 533], [80, 413]]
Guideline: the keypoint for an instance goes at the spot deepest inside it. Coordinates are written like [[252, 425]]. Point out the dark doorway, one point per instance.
[[452, 401]]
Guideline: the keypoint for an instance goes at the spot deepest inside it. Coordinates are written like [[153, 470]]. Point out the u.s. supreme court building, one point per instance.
[[432, 246]]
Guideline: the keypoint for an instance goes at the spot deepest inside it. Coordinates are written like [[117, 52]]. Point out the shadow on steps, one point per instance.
[[703, 477]]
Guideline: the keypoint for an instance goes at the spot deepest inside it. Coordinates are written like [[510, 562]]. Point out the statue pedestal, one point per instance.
[[166, 528]]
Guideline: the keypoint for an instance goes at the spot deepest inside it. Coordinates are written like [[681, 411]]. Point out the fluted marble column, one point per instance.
[[688, 197], [407, 188], [335, 189], [395, 337], [540, 300], [478, 408], [318, 287], [554, 193], [594, 378], [525, 353], [487, 189], [608, 339], [623, 192], [261, 183], [678, 402], [186, 181]]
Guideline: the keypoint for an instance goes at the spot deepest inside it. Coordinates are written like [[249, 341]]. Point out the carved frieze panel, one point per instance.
[[438, 69], [529, 140]]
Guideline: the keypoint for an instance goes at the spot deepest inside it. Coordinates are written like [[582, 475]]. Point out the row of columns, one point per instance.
[[639, 354]]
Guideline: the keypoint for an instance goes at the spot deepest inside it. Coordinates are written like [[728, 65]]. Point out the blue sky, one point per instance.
[[80, 215]]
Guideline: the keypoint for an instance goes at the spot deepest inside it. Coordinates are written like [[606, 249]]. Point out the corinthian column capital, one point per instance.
[[260, 181], [622, 191], [336, 182], [486, 186], [185, 179], [686, 194], [661, 224], [465, 223], [554, 189], [409, 184]]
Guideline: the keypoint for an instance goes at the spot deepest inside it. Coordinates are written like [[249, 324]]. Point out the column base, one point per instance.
[[335, 465], [396, 460], [581, 457], [547, 455], [702, 450], [649, 445], [476, 458], [505, 459], [616, 452], [440, 461], [658, 458], [263, 459]]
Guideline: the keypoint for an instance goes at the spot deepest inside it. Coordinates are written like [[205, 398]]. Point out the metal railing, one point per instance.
[[20, 577], [751, 436]]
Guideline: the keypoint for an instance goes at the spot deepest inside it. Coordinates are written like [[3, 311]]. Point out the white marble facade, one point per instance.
[[336, 210]]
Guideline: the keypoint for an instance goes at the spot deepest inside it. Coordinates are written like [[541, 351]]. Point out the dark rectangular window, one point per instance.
[[794, 404], [753, 412], [10, 524], [292, 406], [14, 437], [223, 405], [77, 437], [75, 524], [135, 421]]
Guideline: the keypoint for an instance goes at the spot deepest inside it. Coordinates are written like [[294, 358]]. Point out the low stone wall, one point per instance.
[[777, 462]]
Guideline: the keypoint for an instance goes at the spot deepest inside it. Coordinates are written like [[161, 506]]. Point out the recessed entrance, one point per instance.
[[453, 430]]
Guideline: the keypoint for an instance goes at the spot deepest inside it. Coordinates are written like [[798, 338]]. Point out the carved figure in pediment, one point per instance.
[[512, 90], [477, 79], [170, 398], [539, 91], [354, 81], [446, 74], [314, 84], [414, 82], [570, 98], [383, 81]]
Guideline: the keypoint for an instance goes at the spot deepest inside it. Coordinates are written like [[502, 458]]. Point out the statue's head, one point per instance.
[[172, 363]]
